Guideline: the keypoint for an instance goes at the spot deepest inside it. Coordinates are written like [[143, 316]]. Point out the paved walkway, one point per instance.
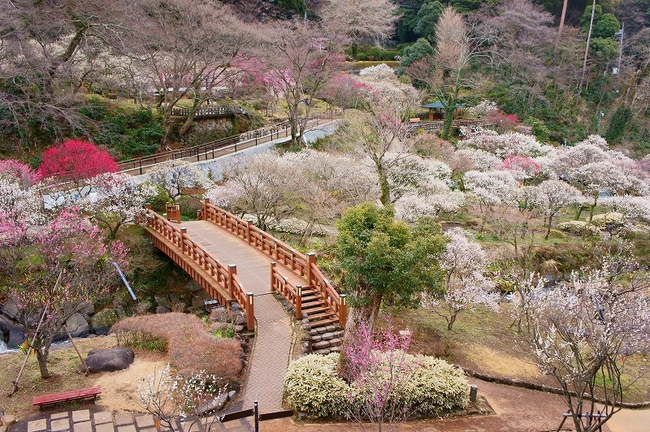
[[273, 339], [94, 420]]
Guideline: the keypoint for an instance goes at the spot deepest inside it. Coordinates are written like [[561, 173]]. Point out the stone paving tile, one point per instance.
[[104, 427], [123, 419], [149, 430], [86, 426], [190, 426], [60, 424], [59, 415], [80, 415], [37, 425], [127, 428], [102, 417], [145, 421]]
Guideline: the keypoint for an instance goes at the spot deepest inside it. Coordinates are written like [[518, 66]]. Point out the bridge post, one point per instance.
[[311, 261], [273, 264], [248, 231], [250, 312], [232, 271], [183, 233], [204, 215], [299, 302], [342, 311]]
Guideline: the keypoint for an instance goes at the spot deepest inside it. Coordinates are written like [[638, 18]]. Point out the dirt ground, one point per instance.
[[514, 409]]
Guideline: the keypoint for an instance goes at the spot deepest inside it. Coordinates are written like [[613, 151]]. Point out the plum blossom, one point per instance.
[[465, 265]]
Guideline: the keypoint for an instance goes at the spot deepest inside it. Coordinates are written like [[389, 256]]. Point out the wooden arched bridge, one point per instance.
[[208, 248]]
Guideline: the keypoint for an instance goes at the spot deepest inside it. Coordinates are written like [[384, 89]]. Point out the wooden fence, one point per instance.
[[299, 263], [208, 111], [209, 150], [219, 280]]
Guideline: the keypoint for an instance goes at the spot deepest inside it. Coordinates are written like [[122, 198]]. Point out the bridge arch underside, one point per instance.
[[195, 271]]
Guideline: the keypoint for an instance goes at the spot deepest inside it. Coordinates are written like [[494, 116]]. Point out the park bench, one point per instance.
[[67, 396]]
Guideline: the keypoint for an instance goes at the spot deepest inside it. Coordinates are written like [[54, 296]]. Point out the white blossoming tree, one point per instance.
[[261, 185], [117, 199], [188, 399], [177, 178], [489, 190], [581, 333], [464, 263], [555, 195]]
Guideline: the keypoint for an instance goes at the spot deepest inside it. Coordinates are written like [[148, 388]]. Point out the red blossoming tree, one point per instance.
[[76, 160]]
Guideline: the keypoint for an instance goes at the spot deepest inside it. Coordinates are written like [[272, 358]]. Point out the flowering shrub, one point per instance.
[[295, 226], [604, 219], [483, 109], [167, 397], [503, 120], [434, 387], [579, 227], [312, 386]]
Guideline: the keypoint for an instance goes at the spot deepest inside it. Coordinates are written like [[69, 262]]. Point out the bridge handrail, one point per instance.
[[299, 263], [223, 276]]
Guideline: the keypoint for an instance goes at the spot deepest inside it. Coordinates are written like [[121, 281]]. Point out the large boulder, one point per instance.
[[77, 325], [103, 320], [109, 360]]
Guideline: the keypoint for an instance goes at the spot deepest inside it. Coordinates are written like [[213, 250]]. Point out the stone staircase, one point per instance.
[[322, 332]]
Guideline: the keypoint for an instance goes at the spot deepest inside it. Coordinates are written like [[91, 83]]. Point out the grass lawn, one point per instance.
[[487, 342]]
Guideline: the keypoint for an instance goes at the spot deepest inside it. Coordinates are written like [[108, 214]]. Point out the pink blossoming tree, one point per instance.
[[53, 273]]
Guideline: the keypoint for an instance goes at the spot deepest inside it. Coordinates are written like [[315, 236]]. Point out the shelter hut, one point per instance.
[[437, 110]]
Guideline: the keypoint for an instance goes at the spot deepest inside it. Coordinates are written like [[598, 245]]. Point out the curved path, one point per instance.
[[274, 334]]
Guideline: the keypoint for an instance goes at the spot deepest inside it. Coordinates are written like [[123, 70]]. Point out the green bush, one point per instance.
[[312, 386], [158, 202], [189, 206], [617, 124], [434, 389]]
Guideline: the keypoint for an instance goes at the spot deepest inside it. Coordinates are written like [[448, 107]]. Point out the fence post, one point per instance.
[[299, 302], [342, 311], [232, 271], [250, 312], [273, 264], [311, 261]]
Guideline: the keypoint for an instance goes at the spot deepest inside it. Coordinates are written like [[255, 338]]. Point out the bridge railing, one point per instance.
[[299, 263], [219, 280]]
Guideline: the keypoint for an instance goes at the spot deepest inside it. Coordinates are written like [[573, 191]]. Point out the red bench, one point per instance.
[[54, 398]]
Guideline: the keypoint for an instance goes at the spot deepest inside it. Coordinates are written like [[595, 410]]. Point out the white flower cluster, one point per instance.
[[295, 226], [511, 143], [483, 109]]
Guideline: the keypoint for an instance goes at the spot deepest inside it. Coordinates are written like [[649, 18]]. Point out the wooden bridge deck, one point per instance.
[[236, 262], [253, 266]]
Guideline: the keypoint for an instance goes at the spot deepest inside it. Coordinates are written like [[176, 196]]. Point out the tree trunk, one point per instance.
[[448, 121], [562, 17], [361, 314], [584, 63], [548, 227], [41, 356], [452, 320]]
